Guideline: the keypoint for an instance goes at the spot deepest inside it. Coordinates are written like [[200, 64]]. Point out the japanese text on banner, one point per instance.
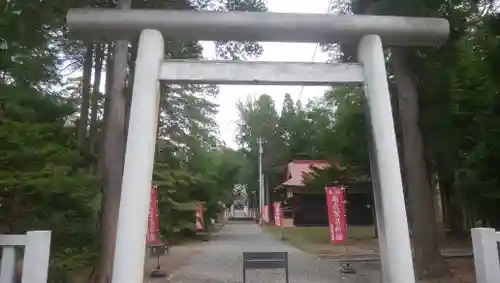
[[336, 216], [200, 225], [278, 214], [153, 222]]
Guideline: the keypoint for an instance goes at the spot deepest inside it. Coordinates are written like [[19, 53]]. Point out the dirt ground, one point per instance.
[[462, 269], [176, 258], [361, 243]]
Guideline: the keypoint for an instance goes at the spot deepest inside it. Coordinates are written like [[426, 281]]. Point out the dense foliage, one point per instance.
[[55, 171]]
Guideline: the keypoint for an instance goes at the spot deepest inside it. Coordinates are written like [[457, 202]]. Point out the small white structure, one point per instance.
[[36, 256], [486, 258], [152, 26]]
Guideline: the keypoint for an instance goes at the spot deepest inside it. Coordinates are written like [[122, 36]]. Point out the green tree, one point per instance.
[[259, 119], [35, 57], [42, 180], [435, 112]]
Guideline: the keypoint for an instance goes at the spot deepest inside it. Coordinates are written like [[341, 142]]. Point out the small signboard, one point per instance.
[[158, 250], [336, 215], [265, 260]]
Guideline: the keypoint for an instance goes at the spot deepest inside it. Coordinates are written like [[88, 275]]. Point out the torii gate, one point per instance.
[[368, 31]]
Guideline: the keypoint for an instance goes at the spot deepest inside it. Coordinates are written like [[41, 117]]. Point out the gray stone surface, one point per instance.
[[221, 261]]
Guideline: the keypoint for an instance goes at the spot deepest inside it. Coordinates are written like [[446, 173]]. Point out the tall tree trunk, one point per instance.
[[438, 209], [108, 83], [130, 86], [428, 260], [432, 177], [84, 107], [96, 93], [113, 153], [451, 206], [100, 274]]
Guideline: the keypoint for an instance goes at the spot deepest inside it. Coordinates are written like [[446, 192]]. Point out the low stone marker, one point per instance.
[[265, 260], [486, 254], [35, 260]]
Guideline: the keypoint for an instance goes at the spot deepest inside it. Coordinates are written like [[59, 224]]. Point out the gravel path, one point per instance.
[[220, 261]]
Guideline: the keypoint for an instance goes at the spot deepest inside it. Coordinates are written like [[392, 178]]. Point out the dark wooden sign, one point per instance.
[[265, 260]]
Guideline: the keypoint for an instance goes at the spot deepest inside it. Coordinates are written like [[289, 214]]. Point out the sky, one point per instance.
[[273, 51]]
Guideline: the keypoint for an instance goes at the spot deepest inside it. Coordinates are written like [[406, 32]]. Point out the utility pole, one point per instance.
[[261, 182]]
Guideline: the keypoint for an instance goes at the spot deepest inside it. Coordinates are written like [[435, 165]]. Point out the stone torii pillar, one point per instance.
[[370, 32]]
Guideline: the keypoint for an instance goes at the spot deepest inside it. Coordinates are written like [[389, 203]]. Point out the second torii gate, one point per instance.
[[368, 31]]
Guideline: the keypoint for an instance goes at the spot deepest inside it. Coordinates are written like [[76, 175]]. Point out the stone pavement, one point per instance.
[[220, 261]]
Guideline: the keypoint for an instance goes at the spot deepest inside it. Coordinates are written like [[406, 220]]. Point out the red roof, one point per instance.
[[298, 168]]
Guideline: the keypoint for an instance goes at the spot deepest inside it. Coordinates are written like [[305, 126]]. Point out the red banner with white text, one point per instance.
[[265, 214], [336, 215], [153, 223], [278, 214], [200, 225]]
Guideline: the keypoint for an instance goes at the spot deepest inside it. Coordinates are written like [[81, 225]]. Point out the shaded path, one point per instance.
[[220, 261]]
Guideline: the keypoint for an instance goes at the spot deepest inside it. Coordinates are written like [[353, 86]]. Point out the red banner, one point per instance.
[[278, 214], [200, 225], [153, 224], [265, 213], [336, 215]]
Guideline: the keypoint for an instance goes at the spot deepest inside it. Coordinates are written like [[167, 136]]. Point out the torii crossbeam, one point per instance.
[[369, 32]]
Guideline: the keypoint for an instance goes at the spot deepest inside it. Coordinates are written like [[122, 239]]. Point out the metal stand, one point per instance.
[[158, 250], [347, 268], [157, 272]]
